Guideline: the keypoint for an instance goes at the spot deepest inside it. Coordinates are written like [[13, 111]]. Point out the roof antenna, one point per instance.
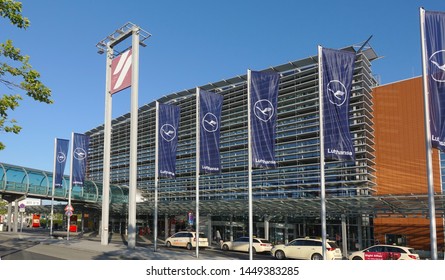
[[364, 44]]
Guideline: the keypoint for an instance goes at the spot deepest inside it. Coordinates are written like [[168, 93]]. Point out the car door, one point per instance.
[[175, 239], [235, 244], [295, 250], [395, 253], [310, 248], [241, 244], [182, 239], [375, 253]]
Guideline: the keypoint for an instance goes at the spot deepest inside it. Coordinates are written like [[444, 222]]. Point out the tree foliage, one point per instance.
[[16, 74], [3, 206]]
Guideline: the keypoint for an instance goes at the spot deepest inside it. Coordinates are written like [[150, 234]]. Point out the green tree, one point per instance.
[[16, 74], [3, 206]]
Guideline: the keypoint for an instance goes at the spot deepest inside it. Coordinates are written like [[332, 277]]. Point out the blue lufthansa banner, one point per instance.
[[60, 161], [168, 139], [210, 120], [338, 68], [435, 53], [80, 155], [263, 117]]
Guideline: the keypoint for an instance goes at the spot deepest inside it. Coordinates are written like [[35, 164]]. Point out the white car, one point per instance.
[[385, 252], [306, 249], [187, 240], [260, 245]]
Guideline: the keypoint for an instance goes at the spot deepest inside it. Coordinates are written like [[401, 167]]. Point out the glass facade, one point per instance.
[[297, 146]]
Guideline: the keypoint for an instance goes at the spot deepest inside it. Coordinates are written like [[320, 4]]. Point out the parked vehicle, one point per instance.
[[242, 244], [187, 240], [306, 249], [385, 252]]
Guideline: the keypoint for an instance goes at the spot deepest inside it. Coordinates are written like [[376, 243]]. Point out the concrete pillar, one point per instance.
[[344, 236], [10, 217], [286, 231], [231, 228], [368, 233], [209, 229], [304, 228], [82, 222], [16, 215], [126, 226], [166, 226], [359, 232], [266, 227]]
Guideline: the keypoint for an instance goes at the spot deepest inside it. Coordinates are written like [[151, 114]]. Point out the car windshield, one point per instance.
[[264, 241], [412, 251], [202, 235], [332, 244]]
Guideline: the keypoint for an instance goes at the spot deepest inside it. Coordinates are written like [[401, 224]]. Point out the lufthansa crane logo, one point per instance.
[[168, 132], [210, 122], [263, 110], [336, 92], [61, 157], [80, 154], [437, 66]]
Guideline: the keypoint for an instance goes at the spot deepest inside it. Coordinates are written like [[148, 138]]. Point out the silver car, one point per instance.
[[260, 245]]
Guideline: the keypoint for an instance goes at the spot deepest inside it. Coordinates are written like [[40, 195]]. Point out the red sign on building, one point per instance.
[[121, 72]]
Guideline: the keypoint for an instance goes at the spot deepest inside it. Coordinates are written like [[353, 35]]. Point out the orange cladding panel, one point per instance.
[[401, 157], [400, 139]]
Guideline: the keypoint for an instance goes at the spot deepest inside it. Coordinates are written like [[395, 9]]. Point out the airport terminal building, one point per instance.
[[286, 199], [381, 197]]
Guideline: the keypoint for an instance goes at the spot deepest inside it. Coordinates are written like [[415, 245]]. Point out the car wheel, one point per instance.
[[356, 258], [189, 246], [253, 250], [168, 244], [280, 255], [225, 247], [316, 257]]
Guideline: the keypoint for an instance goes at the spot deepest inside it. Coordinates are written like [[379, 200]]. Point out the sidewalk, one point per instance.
[[88, 246]]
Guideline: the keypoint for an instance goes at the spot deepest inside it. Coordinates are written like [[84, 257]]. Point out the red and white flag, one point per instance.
[[121, 72]]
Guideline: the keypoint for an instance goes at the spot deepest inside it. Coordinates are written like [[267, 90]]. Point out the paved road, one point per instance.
[[38, 245]]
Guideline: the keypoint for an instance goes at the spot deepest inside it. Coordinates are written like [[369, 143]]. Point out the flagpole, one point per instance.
[[429, 160], [249, 140], [322, 156], [54, 185], [198, 158], [133, 138], [107, 150], [155, 218], [442, 192], [70, 187]]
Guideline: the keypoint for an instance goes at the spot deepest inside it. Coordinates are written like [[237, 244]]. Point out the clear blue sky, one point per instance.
[[193, 43]]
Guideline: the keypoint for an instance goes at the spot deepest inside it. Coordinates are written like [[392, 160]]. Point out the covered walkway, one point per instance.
[[17, 181]]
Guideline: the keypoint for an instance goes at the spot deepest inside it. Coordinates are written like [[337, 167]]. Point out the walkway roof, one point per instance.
[[400, 206]]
